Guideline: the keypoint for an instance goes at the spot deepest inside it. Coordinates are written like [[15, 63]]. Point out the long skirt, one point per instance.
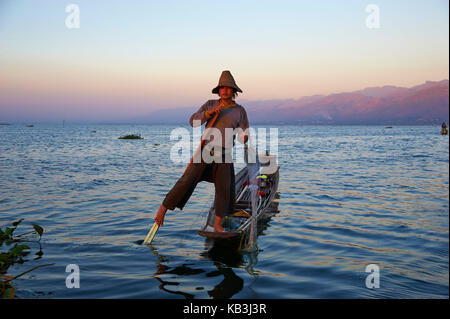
[[221, 174]]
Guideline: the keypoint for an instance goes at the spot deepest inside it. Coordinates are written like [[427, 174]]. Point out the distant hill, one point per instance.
[[427, 103]]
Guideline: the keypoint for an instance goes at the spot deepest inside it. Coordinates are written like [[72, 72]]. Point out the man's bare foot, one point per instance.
[[159, 218], [218, 226], [219, 229]]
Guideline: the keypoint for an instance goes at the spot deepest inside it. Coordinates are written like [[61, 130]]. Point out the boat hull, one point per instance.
[[238, 224]]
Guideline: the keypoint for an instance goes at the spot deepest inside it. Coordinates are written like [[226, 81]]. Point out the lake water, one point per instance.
[[350, 196]]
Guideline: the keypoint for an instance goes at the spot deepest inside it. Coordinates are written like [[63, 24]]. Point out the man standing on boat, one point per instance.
[[226, 115]]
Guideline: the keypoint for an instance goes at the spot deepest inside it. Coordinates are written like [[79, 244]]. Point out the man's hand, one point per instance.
[[214, 110], [159, 218]]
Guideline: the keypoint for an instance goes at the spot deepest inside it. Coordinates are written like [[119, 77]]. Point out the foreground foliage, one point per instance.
[[13, 251]]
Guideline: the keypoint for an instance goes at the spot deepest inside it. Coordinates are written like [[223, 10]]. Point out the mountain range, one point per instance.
[[424, 104]]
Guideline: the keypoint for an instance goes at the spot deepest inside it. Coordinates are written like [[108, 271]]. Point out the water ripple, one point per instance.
[[349, 197]]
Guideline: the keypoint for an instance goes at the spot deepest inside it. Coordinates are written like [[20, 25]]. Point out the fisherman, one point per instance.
[[444, 130], [220, 171]]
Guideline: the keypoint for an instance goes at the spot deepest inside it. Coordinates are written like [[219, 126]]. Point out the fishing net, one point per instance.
[[253, 171]]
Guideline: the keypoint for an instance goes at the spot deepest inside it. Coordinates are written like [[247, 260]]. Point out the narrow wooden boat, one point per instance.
[[264, 185]]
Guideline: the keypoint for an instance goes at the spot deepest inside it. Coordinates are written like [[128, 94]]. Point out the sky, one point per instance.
[[128, 58]]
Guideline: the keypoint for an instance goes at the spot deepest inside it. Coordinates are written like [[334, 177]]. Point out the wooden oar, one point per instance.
[[203, 141], [151, 234]]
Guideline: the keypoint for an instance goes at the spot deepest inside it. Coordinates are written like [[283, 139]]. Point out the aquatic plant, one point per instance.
[[15, 254], [131, 137]]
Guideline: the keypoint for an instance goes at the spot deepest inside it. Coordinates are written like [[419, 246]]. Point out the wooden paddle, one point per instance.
[[151, 234], [203, 141]]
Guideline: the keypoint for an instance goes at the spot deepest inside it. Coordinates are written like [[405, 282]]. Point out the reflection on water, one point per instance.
[[223, 259], [225, 256]]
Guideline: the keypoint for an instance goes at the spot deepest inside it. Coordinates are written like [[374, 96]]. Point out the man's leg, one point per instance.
[[181, 191], [224, 192]]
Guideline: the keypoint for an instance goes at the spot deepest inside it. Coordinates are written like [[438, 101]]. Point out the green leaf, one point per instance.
[[2, 237], [9, 231], [9, 293], [38, 229], [3, 257], [9, 241], [17, 250], [16, 223]]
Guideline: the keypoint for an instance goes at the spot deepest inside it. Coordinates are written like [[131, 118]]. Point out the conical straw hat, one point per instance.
[[226, 79]]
